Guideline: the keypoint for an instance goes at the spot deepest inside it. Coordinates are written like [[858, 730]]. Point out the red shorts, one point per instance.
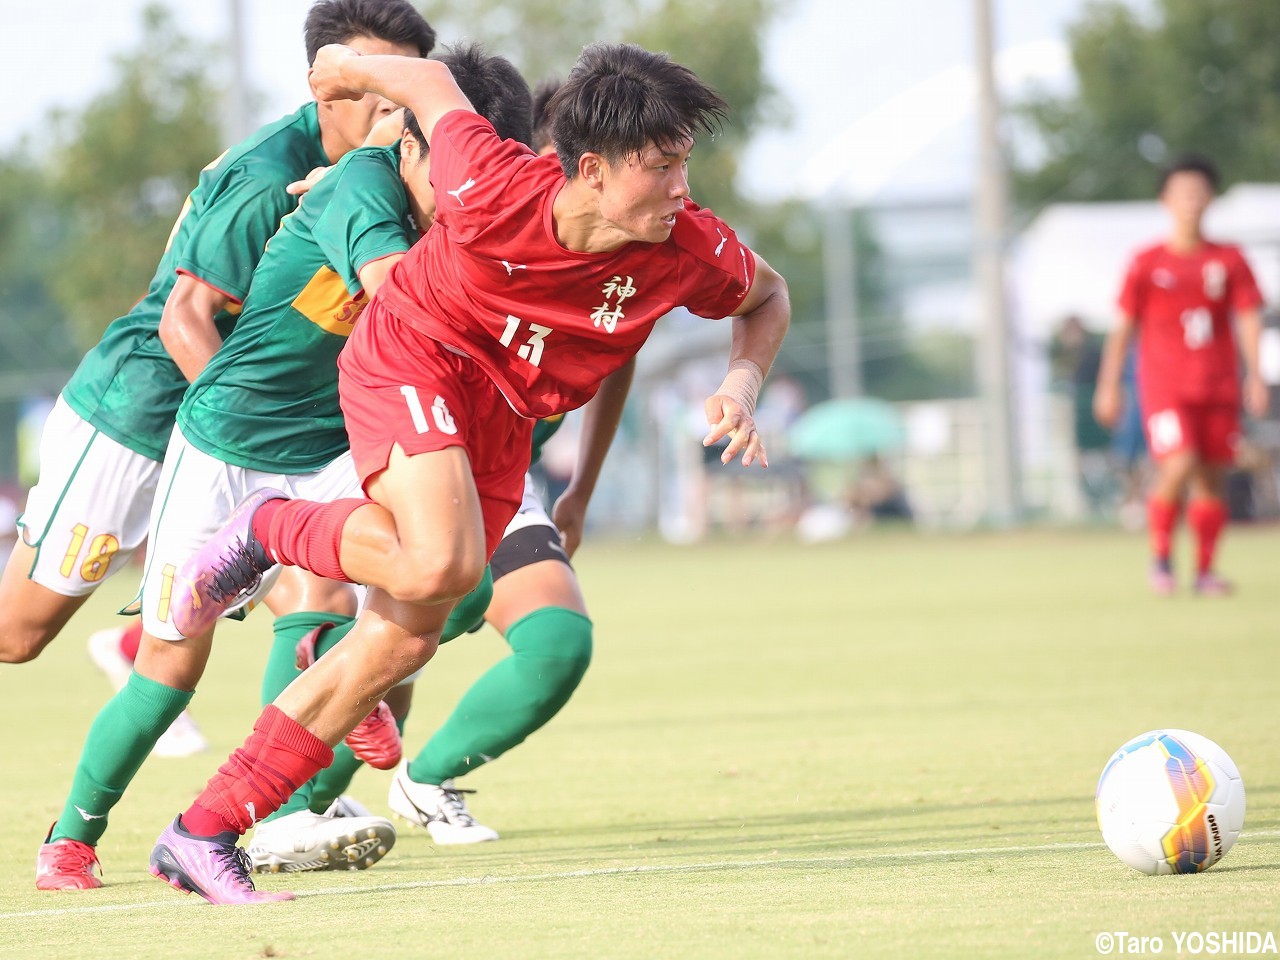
[[398, 386], [1210, 430]]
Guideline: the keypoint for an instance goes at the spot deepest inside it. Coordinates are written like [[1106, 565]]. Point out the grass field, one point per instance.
[[885, 747]]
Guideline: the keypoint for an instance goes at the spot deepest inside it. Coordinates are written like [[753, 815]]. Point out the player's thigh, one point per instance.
[[31, 614], [546, 583], [195, 496], [436, 506], [530, 567], [88, 512], [1217, 434]]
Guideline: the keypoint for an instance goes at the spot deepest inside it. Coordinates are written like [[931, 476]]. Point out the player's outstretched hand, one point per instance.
[[1106, 406], [728, 418], [325, 76], [299, 187]]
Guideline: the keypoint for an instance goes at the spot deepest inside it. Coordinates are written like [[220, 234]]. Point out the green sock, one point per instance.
[[120, 738], [550, 651], [468, 615]]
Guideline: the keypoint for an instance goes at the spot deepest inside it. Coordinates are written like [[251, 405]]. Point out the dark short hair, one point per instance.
[[1190, 163], [542, 95], [495, 88], [619, 97], [340, 21]]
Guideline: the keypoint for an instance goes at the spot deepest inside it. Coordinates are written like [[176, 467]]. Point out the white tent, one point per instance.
[[1073, 256]]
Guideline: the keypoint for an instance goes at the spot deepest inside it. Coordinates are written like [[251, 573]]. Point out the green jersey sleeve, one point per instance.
[[248, 207], [367, 217]]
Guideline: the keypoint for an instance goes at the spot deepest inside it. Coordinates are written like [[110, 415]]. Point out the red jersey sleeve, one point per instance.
[[470, 170], [1133, 290], [1245, 294], [716, 270]]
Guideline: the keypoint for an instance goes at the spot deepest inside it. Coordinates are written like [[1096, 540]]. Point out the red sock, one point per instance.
[[279, 757], [1162, 517], [129, 641], [303, 533], [1206, 517]]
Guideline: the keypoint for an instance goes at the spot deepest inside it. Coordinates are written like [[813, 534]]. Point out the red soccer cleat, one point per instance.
[[66, 864], [376, 739]]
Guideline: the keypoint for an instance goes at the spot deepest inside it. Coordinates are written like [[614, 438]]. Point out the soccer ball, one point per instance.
[[1170, 801]]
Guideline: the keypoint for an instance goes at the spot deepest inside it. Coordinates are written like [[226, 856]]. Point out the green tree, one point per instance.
[[1193, 75], [120, 168]]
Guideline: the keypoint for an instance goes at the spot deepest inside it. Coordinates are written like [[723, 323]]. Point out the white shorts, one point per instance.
[[88, 513], [195, 496], [531, 513]]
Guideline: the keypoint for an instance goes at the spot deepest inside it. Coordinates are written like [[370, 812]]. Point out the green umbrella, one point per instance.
[[846, 430]]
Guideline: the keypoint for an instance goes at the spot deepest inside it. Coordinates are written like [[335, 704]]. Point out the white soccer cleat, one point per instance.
[[439, 808], [310, 841], [104, 651], [182, 739], [346, 806]]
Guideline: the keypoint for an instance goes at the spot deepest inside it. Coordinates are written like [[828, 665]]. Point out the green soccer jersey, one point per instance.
[[269, 399], [542, 432], [128, 386]]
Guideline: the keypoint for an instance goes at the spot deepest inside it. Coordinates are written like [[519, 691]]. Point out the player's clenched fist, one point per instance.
[[325, 76]]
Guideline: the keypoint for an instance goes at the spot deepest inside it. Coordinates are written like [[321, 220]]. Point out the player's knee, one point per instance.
[[557, 644], [22, 644], [429, 579]]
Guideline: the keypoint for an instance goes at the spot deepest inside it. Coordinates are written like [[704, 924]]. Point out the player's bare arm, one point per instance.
[[758, 329], [600, 418], [375, 271], [424, 86], [1249, 333], [1107, 397], [187, 329]]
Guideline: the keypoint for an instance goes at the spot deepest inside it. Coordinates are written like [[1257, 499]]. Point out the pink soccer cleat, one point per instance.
[[213, 867], [224, 570], [1162, 581], [67, 864], [1209, 584]]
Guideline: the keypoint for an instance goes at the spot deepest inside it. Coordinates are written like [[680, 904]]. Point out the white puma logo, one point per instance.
[[87, 815], [723, 241], [253, 812], [513, 267], [457, 194]]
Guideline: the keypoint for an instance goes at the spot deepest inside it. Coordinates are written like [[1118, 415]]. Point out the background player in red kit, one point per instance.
[[539, 278], [1179, 298]]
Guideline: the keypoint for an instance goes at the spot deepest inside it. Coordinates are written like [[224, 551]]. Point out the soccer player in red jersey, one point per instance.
[[1178, 300], [539, 278]]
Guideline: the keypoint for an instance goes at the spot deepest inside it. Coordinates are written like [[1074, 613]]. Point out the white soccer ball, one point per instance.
[[1170, 801]]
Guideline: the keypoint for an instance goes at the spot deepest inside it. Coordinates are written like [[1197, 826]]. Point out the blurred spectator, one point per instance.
[[1075, 354], [877, 494]]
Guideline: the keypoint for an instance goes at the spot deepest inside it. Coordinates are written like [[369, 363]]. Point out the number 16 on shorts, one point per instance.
[[439, 413]]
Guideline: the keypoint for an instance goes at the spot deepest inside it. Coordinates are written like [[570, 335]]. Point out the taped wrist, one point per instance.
[[742, 383]]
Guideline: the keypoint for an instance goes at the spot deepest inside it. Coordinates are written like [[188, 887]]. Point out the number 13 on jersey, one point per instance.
[[531, 348]]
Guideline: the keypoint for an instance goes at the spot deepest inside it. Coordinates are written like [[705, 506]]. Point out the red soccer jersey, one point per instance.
[[1182, 305], [546, 324]]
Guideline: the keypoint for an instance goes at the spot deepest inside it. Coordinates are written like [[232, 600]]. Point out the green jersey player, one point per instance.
[[104, 442]]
